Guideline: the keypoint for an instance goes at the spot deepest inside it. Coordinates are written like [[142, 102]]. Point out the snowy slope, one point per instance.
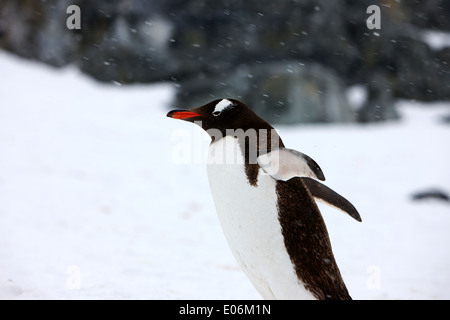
[[101, 199]]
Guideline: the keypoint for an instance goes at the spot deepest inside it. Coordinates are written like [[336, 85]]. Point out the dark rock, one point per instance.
[[37, 30], [280, 92], [126, 41], [380, 103], [431, 194], [446, 119], [430, 14]]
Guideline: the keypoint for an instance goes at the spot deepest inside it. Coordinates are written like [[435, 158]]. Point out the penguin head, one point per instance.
[[221, 114]]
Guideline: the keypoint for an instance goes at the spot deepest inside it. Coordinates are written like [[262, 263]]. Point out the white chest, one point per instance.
[[249, 219]]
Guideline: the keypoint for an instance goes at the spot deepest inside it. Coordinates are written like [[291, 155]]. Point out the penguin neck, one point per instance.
[[253, 142]]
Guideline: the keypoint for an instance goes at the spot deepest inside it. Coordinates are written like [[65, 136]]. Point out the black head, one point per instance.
[[222, 114]]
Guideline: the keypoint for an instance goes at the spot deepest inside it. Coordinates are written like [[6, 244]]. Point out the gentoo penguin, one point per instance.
[[265, 197]]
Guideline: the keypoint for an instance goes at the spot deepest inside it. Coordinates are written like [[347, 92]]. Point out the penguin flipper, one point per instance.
[[330, 197], [284, 164]]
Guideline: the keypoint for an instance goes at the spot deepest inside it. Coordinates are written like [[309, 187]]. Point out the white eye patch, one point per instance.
[[224, 104]]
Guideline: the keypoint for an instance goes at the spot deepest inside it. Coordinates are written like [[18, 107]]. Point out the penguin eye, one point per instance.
[[216, 113]]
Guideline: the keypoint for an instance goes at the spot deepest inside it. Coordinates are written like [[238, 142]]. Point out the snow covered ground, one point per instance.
[[97, 203]]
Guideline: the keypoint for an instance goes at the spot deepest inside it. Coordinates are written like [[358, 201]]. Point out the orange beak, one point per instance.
[[182, 114]]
